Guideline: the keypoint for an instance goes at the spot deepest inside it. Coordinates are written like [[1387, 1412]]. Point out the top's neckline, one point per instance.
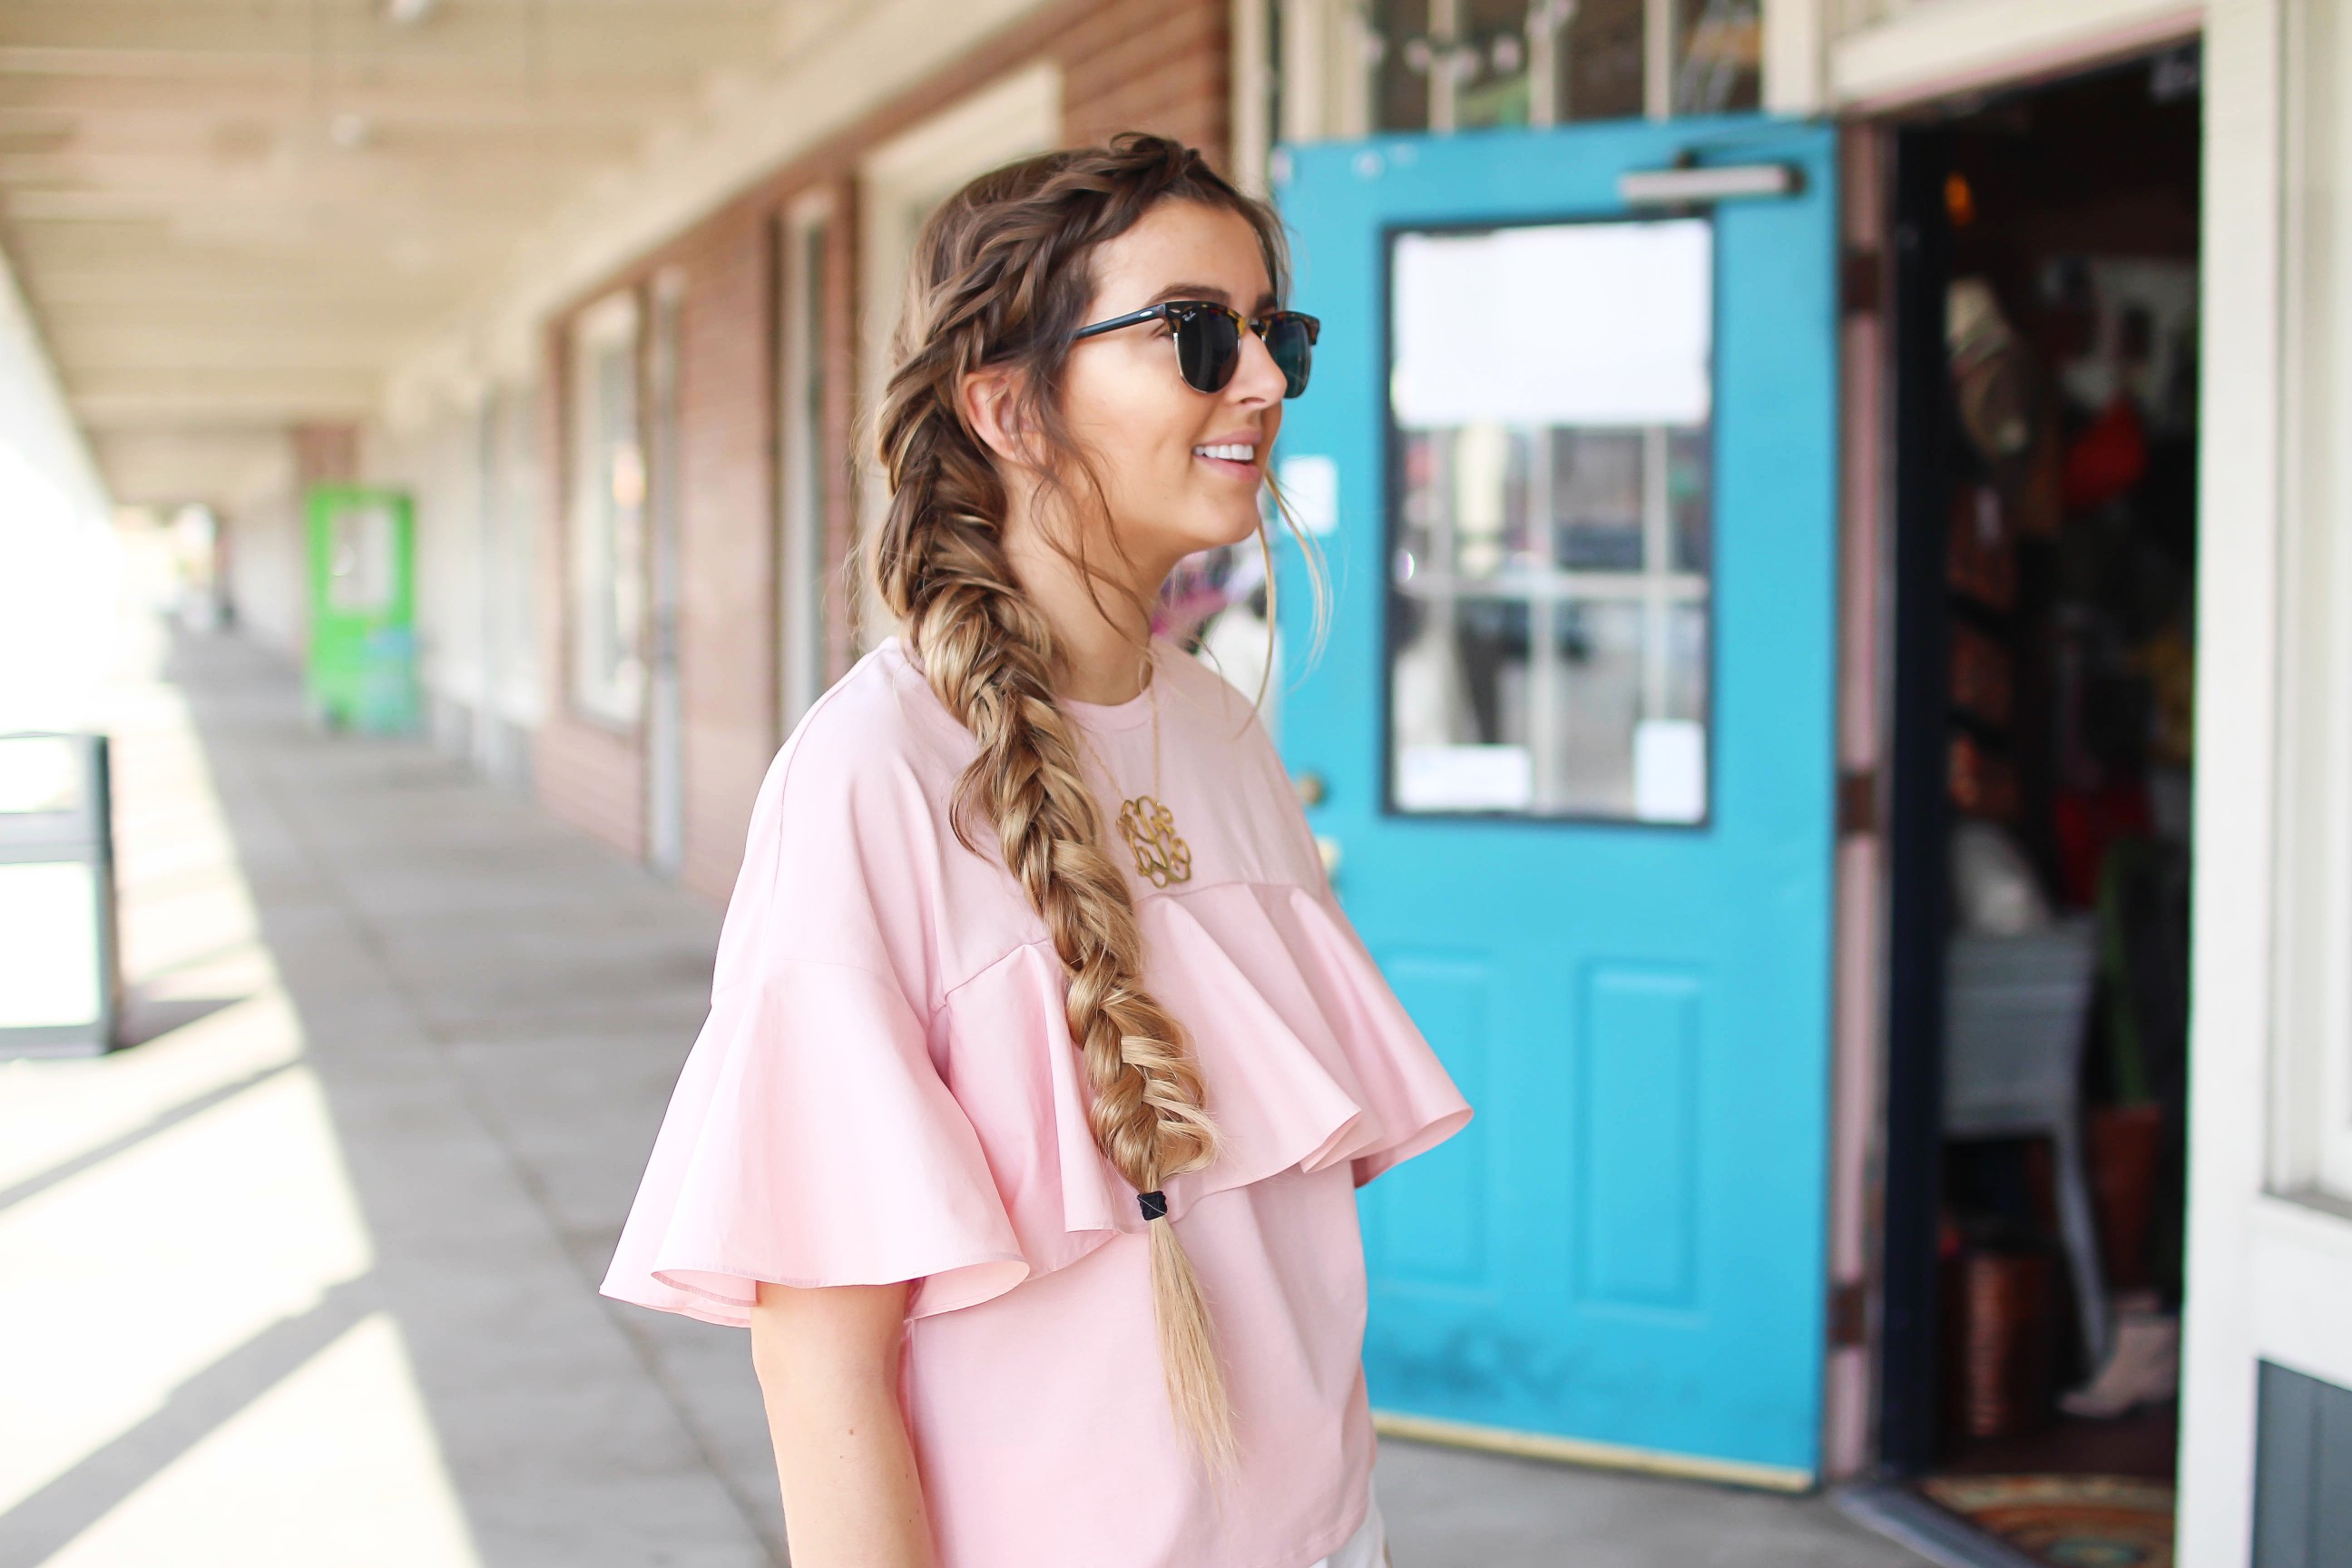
[[1136, 710], [1127, 715]]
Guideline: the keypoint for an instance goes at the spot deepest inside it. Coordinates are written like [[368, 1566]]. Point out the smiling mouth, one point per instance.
[[1228, 452]]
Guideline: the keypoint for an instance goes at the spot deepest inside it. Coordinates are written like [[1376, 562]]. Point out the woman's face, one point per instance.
[[1179, 468]]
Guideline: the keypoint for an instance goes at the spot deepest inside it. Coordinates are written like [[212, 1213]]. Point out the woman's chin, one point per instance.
[[1216, 532], [1175, 538]]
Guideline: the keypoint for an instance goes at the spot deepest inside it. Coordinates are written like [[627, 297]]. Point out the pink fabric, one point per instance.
[[885, 1089]]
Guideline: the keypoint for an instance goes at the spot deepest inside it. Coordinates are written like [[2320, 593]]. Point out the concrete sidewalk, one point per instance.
[[308, 1278]]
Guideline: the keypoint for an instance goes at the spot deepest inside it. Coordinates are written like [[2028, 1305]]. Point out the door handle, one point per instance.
[[1697, 185]]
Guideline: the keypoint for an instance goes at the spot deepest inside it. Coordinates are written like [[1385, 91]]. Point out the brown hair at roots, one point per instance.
[[1000, 277]]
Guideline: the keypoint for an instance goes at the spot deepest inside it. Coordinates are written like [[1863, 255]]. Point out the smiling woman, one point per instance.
[[984, 1119]]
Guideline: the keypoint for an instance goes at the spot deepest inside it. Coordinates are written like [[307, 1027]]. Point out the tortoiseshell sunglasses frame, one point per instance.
[[1181, 313]]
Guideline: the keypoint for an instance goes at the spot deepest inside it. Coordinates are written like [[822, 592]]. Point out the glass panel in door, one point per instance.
[[1548, 599]]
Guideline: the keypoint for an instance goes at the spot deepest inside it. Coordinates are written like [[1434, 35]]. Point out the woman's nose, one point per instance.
[[1257, 379]]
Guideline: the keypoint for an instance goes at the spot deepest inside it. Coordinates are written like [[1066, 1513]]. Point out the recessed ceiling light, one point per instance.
[[350, 129], [408, 12]]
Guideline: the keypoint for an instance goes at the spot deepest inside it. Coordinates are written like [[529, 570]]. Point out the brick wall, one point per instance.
[[1148, 64], [726, 554], [1126, 65]]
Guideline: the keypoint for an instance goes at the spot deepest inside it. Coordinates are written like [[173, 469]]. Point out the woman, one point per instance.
[[1042, 1066]]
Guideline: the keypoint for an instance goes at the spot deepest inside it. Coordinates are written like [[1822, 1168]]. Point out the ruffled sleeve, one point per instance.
[[811, 1142], [812, 1139]]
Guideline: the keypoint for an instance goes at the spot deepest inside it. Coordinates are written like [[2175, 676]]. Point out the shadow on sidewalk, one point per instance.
[[488, 1011]]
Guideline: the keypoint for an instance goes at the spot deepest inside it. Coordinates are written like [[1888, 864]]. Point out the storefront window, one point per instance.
[[1550, 551], [1459, 64], [1596, 61], [607, 515], [1399, 57]]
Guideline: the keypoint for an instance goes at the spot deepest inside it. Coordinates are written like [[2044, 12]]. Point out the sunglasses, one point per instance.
[[1209, 341]]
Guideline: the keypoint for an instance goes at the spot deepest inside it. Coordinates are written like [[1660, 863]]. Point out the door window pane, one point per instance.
[[361, 572], [1551, 402]]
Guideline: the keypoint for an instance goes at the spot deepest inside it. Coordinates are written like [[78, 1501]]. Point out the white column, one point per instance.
[[58, 570], [2237, 683]]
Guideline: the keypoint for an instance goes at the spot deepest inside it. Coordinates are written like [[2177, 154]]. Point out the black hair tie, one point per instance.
[[1154, 1205]]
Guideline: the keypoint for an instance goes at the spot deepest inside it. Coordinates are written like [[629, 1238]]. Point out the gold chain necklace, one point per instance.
[[1161, 856]]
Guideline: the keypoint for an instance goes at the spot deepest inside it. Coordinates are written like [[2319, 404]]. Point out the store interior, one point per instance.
[[2067, 647]]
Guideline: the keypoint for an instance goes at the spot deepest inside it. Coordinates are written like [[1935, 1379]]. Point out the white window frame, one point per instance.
[[1882, 56], [605, 596], [2311, 1113], [803, 384]]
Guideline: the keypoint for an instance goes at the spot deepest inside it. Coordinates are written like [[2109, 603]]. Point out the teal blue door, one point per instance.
[[1572, 465]]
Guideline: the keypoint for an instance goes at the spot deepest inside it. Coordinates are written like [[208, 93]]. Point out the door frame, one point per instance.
[[2269, 1263], [2270, 1260], [1919, 815]]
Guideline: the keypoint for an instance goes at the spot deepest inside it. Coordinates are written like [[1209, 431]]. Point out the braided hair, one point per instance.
[[1000, 277]]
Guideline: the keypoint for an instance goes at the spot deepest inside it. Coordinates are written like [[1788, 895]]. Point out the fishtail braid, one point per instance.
[[999, 275]]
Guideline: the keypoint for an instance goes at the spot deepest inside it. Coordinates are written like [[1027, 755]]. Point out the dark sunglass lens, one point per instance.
[[1293, 348], [1207, 347]]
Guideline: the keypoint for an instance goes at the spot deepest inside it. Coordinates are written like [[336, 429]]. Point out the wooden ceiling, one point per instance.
[[238, 214]]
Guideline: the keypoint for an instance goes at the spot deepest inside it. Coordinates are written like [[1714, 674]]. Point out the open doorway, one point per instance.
[[2046, 286]]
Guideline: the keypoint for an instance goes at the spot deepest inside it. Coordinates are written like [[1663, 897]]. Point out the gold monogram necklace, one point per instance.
[[1161, 856]]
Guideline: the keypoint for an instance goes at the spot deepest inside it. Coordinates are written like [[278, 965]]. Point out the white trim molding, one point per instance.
[[1796, 56], [2303, 1260], [2311, 1148], [2232, 1027], [1933, 48]]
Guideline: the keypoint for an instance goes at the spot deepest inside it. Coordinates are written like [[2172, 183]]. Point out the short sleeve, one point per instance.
[[811, 1139]]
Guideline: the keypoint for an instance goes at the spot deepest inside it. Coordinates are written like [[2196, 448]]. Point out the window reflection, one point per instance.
[[1718, 55], [1399, 55], [1549, 620], [1597, 62], [1459, 64]]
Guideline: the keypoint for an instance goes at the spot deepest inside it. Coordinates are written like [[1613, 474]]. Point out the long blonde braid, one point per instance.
[[999, 278]]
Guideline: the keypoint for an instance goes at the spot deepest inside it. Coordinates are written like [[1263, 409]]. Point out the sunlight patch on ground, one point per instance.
[[123, 1281], [52, 1112], [178, 1208], [190, 939], [337, 1464]]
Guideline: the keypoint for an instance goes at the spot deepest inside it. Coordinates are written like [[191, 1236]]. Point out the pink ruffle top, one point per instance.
[[885, 1089]]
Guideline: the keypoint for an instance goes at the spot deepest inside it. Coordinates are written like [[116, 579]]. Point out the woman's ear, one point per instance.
[[992, 407]]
